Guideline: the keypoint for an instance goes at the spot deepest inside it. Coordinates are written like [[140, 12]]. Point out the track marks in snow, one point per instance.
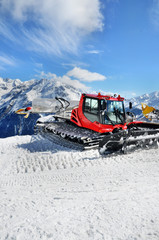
[[39, 155], [26, 165], [35, 155], [43, 162], [33, 164], [30, 156]]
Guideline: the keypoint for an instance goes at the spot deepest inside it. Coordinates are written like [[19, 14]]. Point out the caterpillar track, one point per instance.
[[69, 135]]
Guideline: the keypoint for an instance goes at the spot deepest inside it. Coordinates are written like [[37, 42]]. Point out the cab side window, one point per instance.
[[91, 109]]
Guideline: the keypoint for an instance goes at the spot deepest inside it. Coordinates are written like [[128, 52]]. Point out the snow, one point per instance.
[[151, 99], [51, 192]]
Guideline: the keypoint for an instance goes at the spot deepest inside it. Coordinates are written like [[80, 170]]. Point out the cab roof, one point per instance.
[[106, 97]]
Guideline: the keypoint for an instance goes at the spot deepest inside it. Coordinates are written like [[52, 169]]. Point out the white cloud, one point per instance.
[[6, 61], [48, 75], [94, 51], [154, 13], [2, 68], [85, 76], [38, 66], [74, 64], [64, 79], [75, 83], [133, 94], [52, 26], [6, 31]]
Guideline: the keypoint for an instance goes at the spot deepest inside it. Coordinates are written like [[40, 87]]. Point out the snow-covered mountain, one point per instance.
[[15, 94], [151, 99]]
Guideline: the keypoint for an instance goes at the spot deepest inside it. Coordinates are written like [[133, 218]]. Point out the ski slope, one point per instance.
[[51, 192]]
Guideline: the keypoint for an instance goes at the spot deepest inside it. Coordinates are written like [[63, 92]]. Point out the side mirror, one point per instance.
[[130, 105]]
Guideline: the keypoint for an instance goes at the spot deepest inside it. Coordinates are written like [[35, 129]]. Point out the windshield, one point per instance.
[[113, 112]]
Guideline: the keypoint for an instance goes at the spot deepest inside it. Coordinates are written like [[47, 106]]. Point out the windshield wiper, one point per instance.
[[105, 113], [118, 114]]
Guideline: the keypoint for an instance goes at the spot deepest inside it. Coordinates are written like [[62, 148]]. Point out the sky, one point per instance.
[[107, 45]]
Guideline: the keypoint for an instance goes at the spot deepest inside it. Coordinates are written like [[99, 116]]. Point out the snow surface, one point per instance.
[[51, 192]]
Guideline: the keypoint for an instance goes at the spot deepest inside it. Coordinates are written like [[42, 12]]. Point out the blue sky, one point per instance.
[[109, 45]]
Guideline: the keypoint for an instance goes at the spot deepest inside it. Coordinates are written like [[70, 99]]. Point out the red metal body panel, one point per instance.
[[79, 118]]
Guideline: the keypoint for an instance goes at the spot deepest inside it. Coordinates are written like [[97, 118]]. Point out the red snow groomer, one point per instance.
[[97, 121]]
